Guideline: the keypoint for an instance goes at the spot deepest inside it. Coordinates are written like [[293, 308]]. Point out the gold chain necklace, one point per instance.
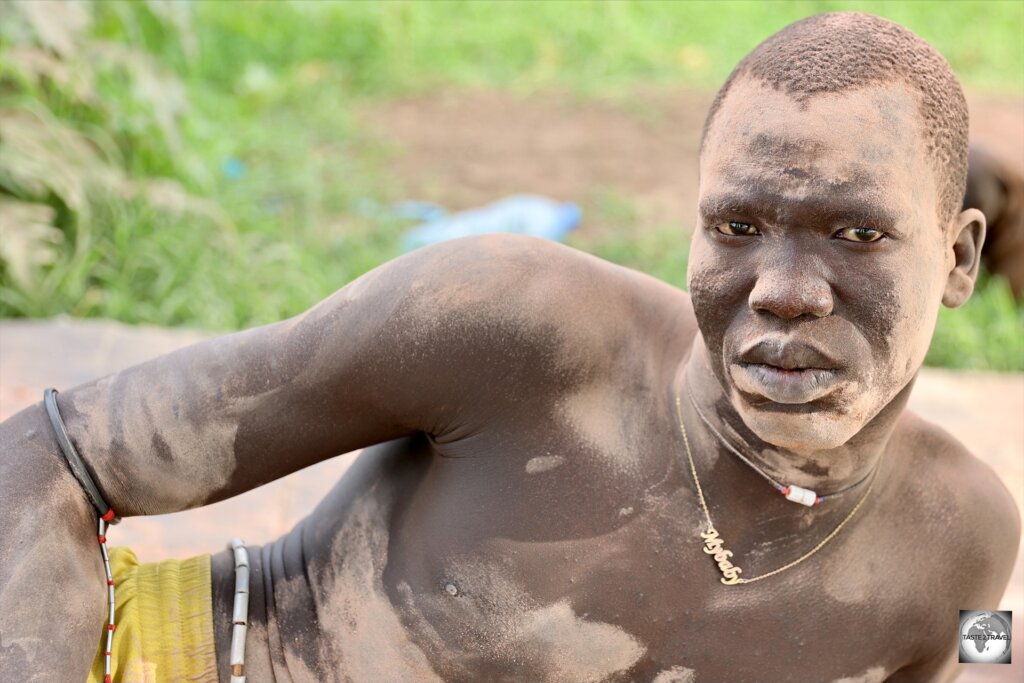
[[715, 546]]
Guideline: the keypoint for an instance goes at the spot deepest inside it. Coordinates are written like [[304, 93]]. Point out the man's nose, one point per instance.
[[789, 292]]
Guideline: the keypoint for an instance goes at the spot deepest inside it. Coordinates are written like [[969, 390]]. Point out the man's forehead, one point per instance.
[[876, 123], [843, 178], [853, 147], [766, 170]]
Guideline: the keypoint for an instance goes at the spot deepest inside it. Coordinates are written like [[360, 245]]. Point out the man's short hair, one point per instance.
[[839, 51]]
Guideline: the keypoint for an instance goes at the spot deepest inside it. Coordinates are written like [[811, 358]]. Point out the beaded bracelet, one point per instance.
[[106, 514], [240, 610]]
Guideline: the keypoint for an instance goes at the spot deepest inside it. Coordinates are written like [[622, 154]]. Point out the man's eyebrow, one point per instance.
[[775, 207]]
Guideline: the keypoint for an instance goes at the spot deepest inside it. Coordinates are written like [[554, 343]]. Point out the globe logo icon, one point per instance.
[[984, 638]]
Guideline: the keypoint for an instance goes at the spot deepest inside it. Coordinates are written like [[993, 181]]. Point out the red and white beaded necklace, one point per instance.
[[792, 492]]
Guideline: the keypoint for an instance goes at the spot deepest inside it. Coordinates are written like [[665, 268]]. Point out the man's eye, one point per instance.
[[860, 234], [736, 228]]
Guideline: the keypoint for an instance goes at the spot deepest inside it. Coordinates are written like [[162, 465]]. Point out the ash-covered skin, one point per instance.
[[524, 509], [52, 597], [797, 177]]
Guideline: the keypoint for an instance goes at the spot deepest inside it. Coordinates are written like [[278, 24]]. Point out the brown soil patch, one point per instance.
[[464, 149], [469, 148]]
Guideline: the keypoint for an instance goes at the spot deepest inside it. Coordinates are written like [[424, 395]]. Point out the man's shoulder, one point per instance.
[[542, 285], [954, 476], [960, 501], [500, 258]]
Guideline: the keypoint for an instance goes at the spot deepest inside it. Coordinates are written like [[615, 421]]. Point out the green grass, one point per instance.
[[986, 333], [617, 232], [270, 87], [589, 46]]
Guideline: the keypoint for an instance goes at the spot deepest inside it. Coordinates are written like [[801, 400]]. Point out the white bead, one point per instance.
[[242, 579], [237, 644], [801, 495], [240, 613], [241, 554]]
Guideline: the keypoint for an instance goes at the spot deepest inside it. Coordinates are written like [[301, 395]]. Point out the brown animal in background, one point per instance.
[[997, 190]]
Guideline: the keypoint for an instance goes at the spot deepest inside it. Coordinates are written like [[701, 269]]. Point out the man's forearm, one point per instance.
[[371, 363], [226, 415], [51, 576], [181, 430]]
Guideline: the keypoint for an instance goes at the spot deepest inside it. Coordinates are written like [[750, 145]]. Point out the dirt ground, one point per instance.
[[464, 149]]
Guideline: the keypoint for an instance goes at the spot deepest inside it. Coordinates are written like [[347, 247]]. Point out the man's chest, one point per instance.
[[522, 560], [636, 600]]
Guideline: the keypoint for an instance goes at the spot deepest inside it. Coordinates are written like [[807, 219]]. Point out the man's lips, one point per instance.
[[785, 370], [781, 385], [787, 354]]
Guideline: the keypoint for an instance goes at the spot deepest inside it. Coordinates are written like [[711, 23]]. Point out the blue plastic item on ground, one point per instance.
[[520, 214], [233, 168]]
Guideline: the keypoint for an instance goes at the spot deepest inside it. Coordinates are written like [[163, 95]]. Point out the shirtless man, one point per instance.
[[525, 508]]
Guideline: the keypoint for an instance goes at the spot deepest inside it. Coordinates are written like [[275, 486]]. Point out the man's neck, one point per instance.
[[707, 410]]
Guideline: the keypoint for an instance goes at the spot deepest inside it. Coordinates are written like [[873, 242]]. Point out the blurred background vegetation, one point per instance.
[[199, 164]]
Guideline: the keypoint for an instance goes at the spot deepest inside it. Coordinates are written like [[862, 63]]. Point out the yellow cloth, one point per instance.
[[164, 617]]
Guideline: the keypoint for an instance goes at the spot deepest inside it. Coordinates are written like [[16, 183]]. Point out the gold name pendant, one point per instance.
[[714, 546]]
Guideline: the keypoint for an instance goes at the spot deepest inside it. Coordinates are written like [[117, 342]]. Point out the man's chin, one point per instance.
[[800, 428]]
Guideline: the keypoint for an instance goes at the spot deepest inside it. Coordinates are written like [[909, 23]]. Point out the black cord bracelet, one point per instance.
[[74, 460]]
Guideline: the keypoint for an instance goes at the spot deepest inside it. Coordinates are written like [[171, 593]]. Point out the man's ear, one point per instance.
[[964, 256]]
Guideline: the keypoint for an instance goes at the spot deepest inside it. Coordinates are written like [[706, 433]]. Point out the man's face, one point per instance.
[[818, 264]]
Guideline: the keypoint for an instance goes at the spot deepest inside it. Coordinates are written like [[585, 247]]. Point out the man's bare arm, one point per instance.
[[448, 340], [408, 347], [52, 602]]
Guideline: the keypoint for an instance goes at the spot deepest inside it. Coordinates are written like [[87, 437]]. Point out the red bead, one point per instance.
[[785, 491], [103, 539], [108, 653], [109, 516], [110, 583], [111, 627], [106, 679]]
